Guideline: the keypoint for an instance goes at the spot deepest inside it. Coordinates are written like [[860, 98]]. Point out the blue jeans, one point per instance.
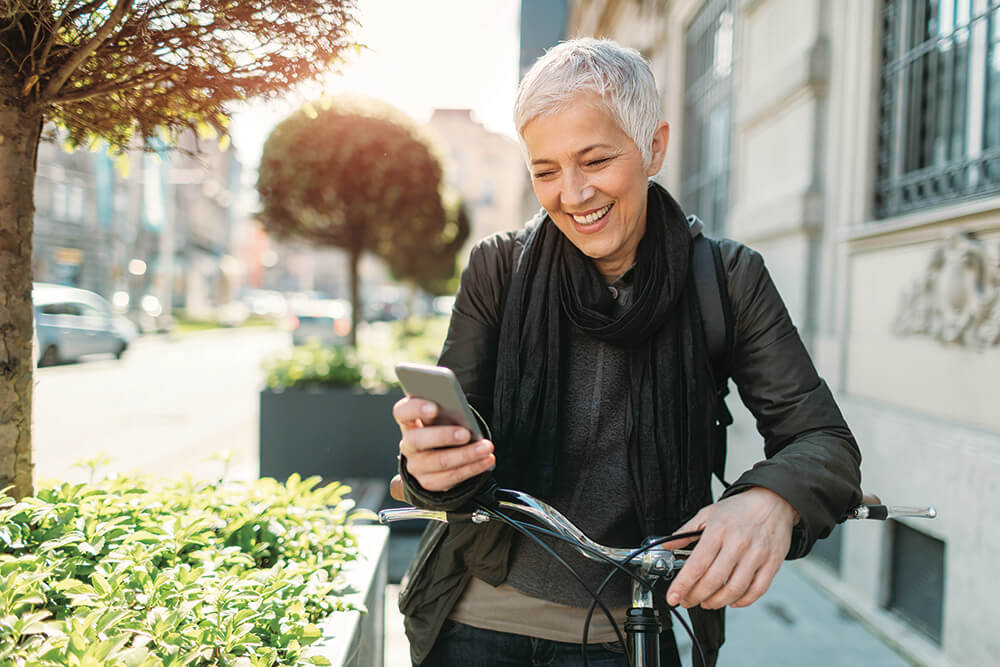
[[460, 645]]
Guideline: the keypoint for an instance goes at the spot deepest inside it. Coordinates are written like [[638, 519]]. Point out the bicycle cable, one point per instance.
[[541, 530], [617, 566], [673, 610], [517, 525]]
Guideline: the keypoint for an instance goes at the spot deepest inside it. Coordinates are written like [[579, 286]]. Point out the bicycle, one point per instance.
[[644, 565]]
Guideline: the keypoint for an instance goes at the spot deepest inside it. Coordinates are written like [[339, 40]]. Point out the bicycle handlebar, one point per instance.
[[551, 517], [645, 564], [657, 561]]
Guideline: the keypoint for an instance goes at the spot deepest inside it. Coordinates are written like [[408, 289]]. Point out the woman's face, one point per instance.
[[589, 176]]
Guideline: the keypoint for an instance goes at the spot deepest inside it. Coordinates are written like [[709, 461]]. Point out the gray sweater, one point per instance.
[[592, 480]]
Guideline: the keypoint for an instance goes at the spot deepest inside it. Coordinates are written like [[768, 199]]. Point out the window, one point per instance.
[[87, 310], [939, 106], [707, 114], [62, 309], [916, 586], [67, 201]]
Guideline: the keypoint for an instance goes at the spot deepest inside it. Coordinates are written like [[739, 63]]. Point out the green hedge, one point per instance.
[[131, 572], [314, 365]]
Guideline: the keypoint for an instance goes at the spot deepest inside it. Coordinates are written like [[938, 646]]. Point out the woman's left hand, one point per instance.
[[745, 539]]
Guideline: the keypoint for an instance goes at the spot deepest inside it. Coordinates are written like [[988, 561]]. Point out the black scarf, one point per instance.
[[554, 286]]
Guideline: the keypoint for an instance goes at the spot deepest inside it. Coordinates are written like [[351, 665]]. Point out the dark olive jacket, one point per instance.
[[811, 457]]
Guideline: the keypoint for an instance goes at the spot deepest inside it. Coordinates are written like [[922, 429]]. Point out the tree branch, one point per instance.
[[54, 34], [93, 91], [82, 53]]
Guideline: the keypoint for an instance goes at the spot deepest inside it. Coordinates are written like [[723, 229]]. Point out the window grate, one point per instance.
[[916, 586], [939, 104]]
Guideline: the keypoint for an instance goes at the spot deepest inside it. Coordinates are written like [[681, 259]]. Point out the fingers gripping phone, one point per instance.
[[439, 384]]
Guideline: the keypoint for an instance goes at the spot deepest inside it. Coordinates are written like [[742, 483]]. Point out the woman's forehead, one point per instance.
[[585, 123]]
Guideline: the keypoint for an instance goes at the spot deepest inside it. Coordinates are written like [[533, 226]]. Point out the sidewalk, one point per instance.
[[794, 624]]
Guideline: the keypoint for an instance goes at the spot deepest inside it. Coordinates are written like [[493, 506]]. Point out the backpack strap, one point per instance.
[[709, 275], [713, 301]]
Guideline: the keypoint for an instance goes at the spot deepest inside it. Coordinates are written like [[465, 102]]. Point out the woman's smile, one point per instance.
[[588, 220]]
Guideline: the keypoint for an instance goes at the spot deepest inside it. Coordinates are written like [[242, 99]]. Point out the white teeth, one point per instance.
[[593, 217]]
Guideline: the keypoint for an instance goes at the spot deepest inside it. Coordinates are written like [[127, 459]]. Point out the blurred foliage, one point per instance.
[[316, 365], [358, 174], [370, 366], [421, 338], [414, 339], [184, 325], [129, 69], [131, 572], [433, 266]]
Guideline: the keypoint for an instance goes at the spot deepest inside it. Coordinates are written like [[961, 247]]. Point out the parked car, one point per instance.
[[327, 320], [71, 323]]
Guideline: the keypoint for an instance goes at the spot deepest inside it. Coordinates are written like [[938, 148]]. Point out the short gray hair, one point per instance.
[[620, 75]]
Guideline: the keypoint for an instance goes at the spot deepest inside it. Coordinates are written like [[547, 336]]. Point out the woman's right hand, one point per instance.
[[438, 457]]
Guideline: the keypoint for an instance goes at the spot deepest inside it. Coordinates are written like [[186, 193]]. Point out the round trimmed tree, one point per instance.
[[356, 174]]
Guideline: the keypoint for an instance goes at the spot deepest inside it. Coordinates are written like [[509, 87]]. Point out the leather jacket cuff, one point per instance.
[[452, 500]]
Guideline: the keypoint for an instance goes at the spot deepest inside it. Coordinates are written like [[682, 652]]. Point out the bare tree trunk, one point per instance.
[[20, 129], [354, 259]]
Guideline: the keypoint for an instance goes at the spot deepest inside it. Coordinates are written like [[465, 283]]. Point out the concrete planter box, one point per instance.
[[353, 638], [335, 432]]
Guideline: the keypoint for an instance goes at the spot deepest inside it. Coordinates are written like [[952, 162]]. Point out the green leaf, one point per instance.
[[311, 631], [101, 584], [111, 619]]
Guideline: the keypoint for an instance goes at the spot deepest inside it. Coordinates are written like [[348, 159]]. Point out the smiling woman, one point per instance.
[[579, 340]]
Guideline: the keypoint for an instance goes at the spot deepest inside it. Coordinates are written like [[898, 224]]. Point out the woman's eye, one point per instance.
[[543, 174], [594, 163]]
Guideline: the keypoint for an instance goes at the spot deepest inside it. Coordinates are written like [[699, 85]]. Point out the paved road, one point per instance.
[[163, 409]]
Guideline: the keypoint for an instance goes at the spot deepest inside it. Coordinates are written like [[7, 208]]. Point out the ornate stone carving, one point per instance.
[[957, 299]]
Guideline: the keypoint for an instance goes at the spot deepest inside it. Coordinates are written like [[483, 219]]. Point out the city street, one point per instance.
[[163, 409]]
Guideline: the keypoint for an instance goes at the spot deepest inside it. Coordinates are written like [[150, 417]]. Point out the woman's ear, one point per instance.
[[661, 137]]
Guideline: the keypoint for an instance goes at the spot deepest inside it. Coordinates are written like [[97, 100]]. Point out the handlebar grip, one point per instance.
[[404, 513], [883, 512]]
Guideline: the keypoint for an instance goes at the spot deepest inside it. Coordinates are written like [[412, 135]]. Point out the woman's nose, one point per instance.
[[576, 190]]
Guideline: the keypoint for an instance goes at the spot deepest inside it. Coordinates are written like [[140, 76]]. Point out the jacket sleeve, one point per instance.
[[812, 459], [470, 351]]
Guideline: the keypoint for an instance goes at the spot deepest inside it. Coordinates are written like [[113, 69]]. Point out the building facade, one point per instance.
[[855, 144], [74, 219], [163, 226], [485, 168]]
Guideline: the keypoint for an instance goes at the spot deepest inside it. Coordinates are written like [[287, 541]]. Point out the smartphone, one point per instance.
[[439, 384]]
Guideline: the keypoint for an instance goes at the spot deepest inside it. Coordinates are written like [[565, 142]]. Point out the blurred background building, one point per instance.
[[855, 144], [485, 168], [164, 227]]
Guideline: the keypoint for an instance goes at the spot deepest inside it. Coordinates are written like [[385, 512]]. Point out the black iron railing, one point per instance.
[[939, 104]]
